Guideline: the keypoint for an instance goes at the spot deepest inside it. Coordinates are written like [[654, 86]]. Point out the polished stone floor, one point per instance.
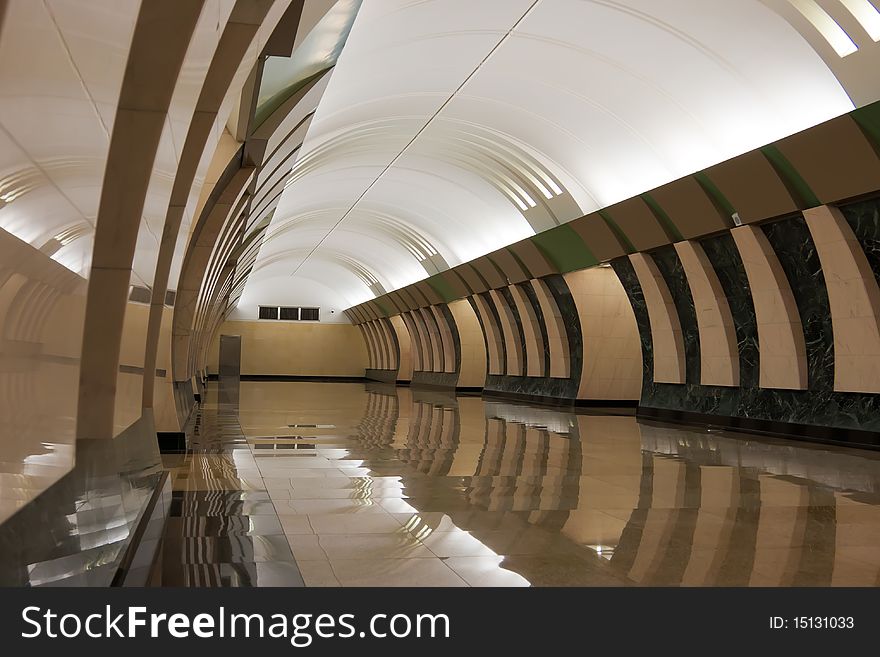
[[350, 484]]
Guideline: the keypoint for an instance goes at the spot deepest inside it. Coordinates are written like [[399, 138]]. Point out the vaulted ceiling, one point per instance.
[[451, 128]]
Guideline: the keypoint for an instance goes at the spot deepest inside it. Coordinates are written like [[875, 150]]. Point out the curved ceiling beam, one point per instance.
[[154, 63], [239, 32]]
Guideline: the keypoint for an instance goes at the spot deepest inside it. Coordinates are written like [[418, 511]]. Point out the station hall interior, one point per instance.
[[439, 293]]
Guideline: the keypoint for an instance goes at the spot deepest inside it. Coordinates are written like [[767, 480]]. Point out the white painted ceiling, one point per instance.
[[445, 122], [439, 125]]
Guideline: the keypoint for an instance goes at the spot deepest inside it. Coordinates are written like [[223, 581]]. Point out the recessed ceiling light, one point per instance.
[[826, 26], [866, 14], [839, 40]]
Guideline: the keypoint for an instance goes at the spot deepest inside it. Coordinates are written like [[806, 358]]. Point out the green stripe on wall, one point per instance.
[[618, 232], [383, 308], [669, 226], [793, 181], [442, 287], [563, 247], [715, 195]]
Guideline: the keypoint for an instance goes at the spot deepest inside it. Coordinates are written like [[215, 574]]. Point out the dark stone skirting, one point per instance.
[[290, 377], [809, 432]]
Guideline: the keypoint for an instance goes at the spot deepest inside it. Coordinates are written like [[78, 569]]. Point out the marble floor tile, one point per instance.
[[407, 490], [485, 571], [422, 571], [363, 523]]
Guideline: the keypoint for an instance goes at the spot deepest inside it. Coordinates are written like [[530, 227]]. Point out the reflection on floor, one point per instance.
[[222, 528], [368, 484]]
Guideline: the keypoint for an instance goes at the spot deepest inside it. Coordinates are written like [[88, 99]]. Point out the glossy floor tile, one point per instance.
[[375, 485]]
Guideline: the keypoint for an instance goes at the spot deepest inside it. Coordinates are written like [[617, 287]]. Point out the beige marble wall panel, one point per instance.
[[666, 335], [472, 369], [783, 358], [296, 349], [719, 354], [557, 336], [612, 352], [854, 298]]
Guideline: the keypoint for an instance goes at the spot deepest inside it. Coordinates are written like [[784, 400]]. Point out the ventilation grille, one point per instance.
[[309, 314], [170, 297], [290, 313], [268, 312], [140, 294]]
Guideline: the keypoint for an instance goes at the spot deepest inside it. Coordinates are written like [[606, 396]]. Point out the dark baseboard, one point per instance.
[[469, 390], [402, 382], [382, 376], [431, 386], [808, 432], [607, 403], [292, 377], [171, 442], [542, 400], [558, 402]]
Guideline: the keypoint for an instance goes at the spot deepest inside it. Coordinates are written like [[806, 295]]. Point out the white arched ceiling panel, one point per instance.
[[476, 124], [61, 86]]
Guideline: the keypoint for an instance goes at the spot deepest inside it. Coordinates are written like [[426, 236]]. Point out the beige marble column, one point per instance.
[[557, 336], [472, 368], [424, 341], [416, 342], [534, 345], [512, 343], [783, 356], [384, 351], [371, 349], [719, 354], [493, 336], [854, 298], [434, 340], [393, 349], [161, 37], [666, 335], [446, 340], [404, 342], [612, 353]]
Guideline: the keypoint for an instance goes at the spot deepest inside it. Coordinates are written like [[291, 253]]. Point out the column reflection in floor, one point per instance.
[[222, 528], [408, 487]]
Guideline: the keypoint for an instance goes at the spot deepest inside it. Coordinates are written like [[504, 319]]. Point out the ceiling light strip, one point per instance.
[[839, 40], [866, 14]]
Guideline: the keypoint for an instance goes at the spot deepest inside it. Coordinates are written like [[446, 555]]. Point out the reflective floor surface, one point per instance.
[[348, 484]]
